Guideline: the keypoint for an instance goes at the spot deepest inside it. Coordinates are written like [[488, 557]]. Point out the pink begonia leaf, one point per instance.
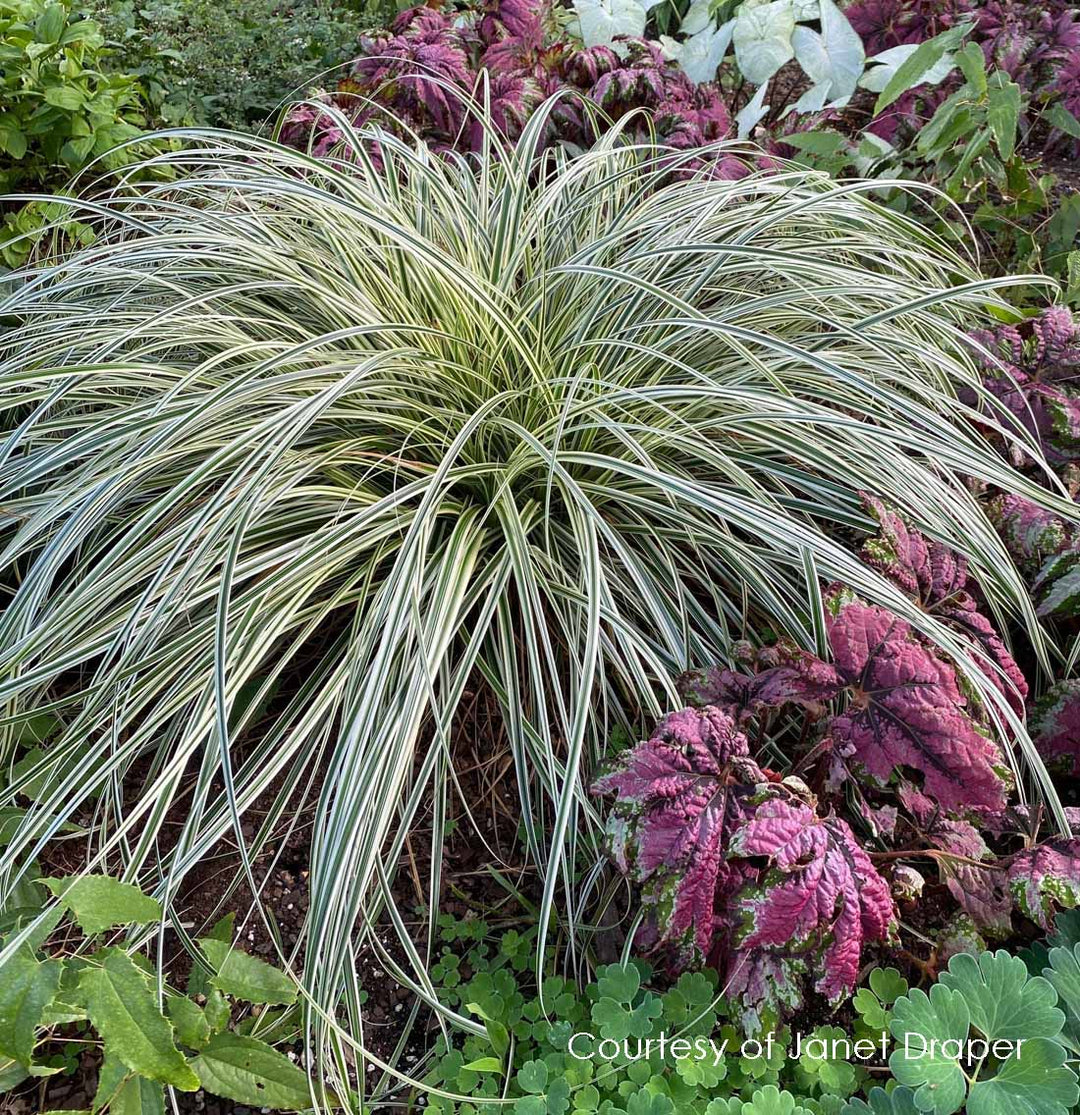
[[818, 899], [1055, 726], [1046, 878], [435, 60], [937, 579], [1030, 533], [1032, 371], [981, 889], [680, 794], [906, 710], [1045, 550]]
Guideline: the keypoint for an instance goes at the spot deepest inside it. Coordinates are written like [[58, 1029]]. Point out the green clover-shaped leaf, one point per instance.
[[1034, 1081], [620, 982], [896, 1101], [701, 1071], [1004, 1001], [611, 1019], [888, 985], [533, 1077], [644, 1102], [870, 1009], [920, 1024], [730, 1106], [644, 1016], [771, 1101], [1064, 974], [817, 1057]]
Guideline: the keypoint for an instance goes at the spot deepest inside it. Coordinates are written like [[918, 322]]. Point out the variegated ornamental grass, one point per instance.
[[362, 436]]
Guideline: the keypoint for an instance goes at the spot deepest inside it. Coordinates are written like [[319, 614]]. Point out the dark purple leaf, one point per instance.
[[679, 795], [936, 578]]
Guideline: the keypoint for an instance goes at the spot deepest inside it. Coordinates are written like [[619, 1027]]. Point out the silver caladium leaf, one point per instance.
[[602, 21], [701, 54], [753, 111], [833, 58], [762, 37]]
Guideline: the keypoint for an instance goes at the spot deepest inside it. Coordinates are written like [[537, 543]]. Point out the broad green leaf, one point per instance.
[[823, 143], [217, 1010], [100, 902], [246, 977], [250, 1072], [484, 1064], [762, 38], [12, 1074], [27, 986], [60, 1013], [1072, 276], [918, 64], [602, 20], [1003, 1000], [972, 65], [920, 1024], [199, 979], [76, 151], [1003, 115], [881, 67], [1060, 117], [1034, 1081], [38, 728], [189, 1021], [68, 97], [11, 816], [126, 1094], [50, 24], [126, 1014], [13, 142]]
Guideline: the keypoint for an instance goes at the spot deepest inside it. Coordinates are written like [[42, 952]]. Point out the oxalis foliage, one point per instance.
[[763, 878], [992, 1034], [349, 440]]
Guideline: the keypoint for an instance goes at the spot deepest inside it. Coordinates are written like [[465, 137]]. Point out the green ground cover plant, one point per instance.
[[234, 64], [61, 107]]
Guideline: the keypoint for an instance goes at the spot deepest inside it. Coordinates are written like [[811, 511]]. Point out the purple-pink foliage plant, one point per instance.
[[436, 64], [738, 868], [1033, 370], [781, 880]]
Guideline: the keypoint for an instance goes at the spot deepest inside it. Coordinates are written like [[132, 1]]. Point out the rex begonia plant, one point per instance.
[[769, 880]]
